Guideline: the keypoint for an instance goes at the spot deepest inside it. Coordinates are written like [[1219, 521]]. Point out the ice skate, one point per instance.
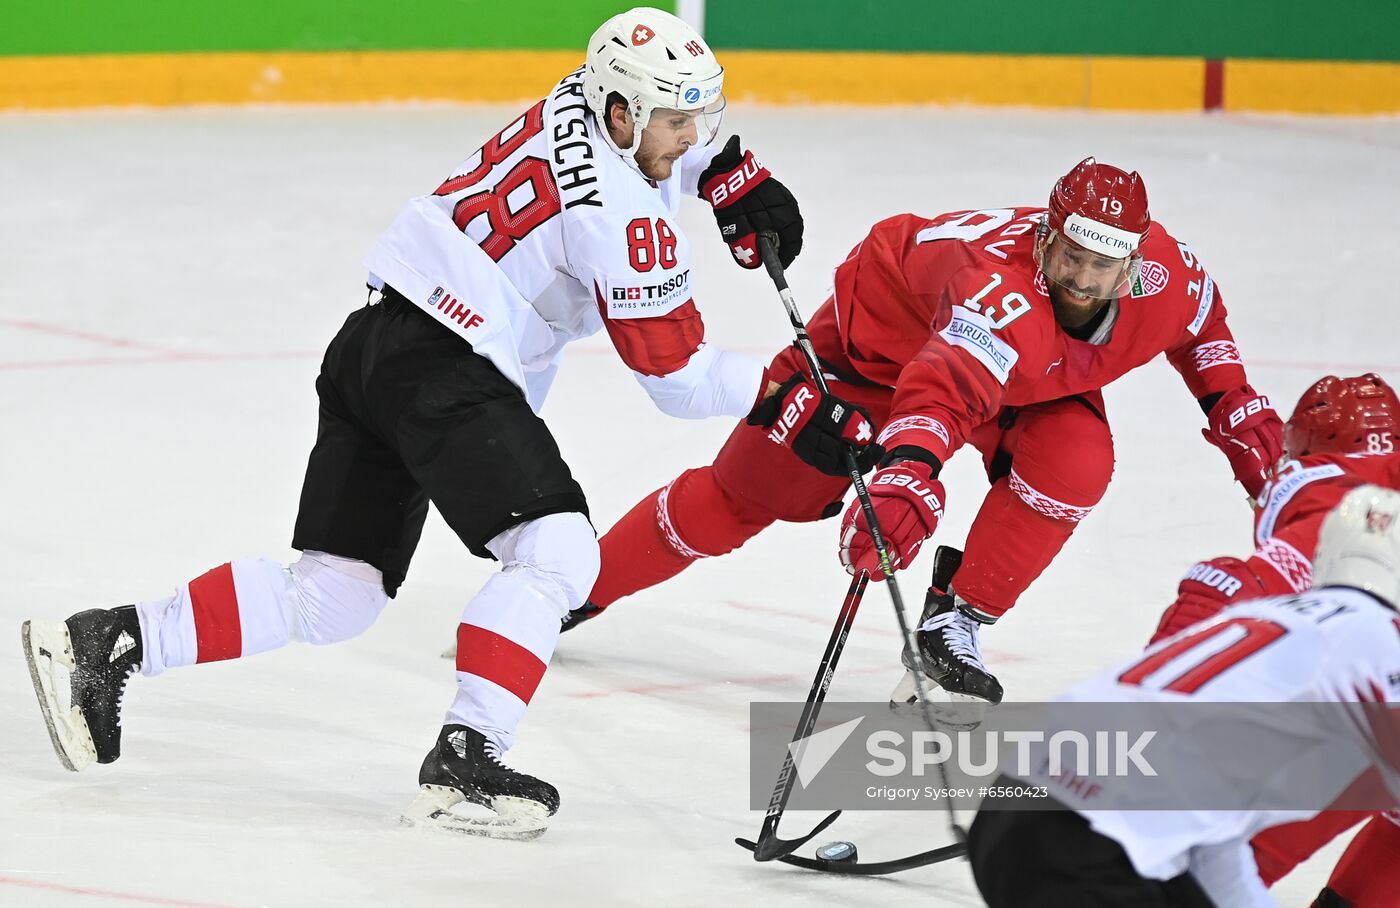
[[464, 767], [79, 668], [948, 646], [586, 612]]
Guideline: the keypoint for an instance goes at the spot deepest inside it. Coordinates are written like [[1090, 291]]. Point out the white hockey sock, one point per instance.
[[509, 629], [251, 606]]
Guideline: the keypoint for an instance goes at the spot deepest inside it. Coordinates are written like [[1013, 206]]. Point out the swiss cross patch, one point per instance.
[[641, 35]]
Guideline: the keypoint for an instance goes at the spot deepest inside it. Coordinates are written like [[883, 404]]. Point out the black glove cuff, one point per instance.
[[1209, 401], [912, 452]]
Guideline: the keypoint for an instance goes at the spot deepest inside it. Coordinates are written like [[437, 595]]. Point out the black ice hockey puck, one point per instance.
[[841, 852]]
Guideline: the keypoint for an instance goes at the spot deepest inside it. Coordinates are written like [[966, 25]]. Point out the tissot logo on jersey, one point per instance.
[[652, 291], [637, 300]]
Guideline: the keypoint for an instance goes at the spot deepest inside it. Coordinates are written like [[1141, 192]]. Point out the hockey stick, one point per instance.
[[768, 845], [875, 868]]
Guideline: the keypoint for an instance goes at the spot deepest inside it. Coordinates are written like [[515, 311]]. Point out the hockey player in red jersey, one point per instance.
[[996, 328], [1125, 842], [563, 225], [1342, 434]]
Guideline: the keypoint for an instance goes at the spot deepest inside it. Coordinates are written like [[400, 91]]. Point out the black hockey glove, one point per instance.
[[817, 427], [747, 200]]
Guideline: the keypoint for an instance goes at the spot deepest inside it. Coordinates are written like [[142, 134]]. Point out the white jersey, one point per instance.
[[546, 235], [1330, 645]]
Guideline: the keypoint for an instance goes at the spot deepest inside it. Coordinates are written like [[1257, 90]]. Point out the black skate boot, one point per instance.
[[79, 669], [464, 766], [586, 612], [947, 638]]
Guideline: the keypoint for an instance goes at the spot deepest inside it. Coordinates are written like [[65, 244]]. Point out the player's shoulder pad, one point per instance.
[[1172, 276]]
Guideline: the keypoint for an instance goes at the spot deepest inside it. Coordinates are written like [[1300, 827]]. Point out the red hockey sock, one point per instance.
[[665, 532], [1008, 547], [1368, 874], [1278, 849]]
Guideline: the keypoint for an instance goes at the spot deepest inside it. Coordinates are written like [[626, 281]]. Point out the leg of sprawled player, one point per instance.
[[1278, 849], [1368, 873], [1060, 462], [690, 518], [234, 610], [504, 642]]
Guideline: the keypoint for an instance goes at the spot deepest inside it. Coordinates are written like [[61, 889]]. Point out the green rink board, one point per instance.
[[40, 27], [1267, 29]]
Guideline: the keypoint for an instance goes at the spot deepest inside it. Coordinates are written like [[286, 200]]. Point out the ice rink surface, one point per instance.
[[169, 282]]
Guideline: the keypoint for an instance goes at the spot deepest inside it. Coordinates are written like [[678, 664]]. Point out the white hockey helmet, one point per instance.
[[655, 61], [1359, 545]]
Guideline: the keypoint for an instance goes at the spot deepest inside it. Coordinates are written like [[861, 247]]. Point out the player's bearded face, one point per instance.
[[1081, 281], [668, 135]]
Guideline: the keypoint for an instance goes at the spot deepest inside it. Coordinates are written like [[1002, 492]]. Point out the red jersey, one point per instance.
[[955, 315], [1293, 507]]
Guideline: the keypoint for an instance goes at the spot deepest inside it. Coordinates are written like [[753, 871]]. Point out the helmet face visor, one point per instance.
[[699, 106], [1083, 272]]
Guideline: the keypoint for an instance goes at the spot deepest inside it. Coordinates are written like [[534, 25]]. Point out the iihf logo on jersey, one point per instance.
[[437, 295]]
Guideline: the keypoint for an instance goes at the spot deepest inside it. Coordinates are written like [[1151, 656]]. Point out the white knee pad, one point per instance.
[[555, 555], [333, 598]]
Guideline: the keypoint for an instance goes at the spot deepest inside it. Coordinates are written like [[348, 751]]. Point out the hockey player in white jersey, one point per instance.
[[1338, 643], [562, 225]]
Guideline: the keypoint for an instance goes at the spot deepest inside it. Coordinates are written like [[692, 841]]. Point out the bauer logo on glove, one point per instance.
[[748, 201], [819, 428], [908, 503]]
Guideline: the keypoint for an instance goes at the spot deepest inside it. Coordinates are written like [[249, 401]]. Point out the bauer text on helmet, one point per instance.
[[659, 67], [1359, 544]]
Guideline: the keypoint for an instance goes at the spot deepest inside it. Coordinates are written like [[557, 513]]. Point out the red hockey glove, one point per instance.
[[908, 504], [1206, 589], [817, 427], [1246, 428], [747, 200]]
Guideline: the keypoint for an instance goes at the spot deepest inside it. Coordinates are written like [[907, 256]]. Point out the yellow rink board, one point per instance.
[[1102, 83]]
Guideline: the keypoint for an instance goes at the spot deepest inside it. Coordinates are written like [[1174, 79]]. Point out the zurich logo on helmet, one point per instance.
[[692, 95]]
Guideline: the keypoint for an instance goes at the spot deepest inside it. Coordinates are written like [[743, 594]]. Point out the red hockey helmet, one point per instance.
[[1100, 212], [1358, 415]]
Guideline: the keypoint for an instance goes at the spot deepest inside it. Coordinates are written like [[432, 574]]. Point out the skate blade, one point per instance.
[[957, 712], [905, 693], [516, 819], [49, 650]]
